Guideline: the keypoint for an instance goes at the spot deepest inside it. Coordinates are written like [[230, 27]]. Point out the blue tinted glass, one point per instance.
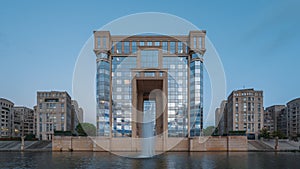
[[133, 47], [172, 47], [126, 47], [149, 58], [165, 47]]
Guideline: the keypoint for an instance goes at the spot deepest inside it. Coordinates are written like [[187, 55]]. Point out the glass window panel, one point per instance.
[[104, 42], [149, 58], [133, 47], [172, 47]]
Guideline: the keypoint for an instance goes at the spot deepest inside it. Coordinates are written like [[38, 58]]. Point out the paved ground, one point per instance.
[[29, 145], [253, 145], [269, 145]]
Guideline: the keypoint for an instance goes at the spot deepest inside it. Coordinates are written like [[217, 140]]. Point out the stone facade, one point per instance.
[[221, 118], [6, 118], [209, 143], [24, 121], [77, 114], [53, 112], [271, 117], [293, 120], [243, 112]]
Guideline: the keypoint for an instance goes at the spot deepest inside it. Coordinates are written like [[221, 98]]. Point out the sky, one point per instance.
[[257, 41]]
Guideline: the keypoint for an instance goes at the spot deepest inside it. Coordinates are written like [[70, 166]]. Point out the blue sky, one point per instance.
[[257, 41]]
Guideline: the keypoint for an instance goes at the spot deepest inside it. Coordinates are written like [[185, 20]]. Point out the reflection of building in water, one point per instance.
[[142, 70]]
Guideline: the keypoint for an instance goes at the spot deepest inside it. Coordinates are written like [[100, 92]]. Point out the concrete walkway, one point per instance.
[[29, 145], [269, 145]]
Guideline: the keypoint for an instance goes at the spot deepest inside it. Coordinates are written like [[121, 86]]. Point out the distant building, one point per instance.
[[282, 122], [243, 112], [53, 112], [77, 114], [293, 117], [6, 115], [23, 121], [35, 120], [271, 117], [221, 118]]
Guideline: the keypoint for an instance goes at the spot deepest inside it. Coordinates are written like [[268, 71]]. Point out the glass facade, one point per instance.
[[177, 95], [121, 95], [149, 58], [196, 95], [124, 69], [103, 95]]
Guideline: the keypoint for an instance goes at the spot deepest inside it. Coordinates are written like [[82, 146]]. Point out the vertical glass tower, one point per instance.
[[157, 74]]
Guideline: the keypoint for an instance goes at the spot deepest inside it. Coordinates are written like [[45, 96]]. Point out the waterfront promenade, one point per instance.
[[252, 145]]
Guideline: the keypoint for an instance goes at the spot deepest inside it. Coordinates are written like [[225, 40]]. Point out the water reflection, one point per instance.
[[164, 161]]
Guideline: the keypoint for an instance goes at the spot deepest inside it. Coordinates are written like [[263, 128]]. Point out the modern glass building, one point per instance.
[[158, 75]]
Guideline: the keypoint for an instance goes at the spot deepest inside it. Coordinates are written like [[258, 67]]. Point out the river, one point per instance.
[[182, 160]]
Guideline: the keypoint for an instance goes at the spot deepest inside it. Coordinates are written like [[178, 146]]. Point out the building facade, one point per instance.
[[245, 112], [23, 122], [163, 73], [293, 118], [271, 117], [221, 118], [6, 114], [282, 122], [77, 114], [53, 112]]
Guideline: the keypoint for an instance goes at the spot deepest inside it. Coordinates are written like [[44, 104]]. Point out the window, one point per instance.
[[199, 42], [104, 42], [133, 47], [98, 42], [195, 42], [165, 47], [149, 74], [126, 47], [179, 47], [119, 47], [172, 47], [41, 127], [149, 58], [62, 117]]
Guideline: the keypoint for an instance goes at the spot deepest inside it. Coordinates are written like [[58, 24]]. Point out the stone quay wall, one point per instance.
[[209, 143]]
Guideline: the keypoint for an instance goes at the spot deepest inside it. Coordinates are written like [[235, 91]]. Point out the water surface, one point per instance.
[[184, 160]]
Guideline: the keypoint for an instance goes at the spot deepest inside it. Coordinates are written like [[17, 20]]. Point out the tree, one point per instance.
[[278, 134], [265, 133], [86, 129], [208, 131]]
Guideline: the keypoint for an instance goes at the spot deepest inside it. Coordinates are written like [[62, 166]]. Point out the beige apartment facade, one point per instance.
[[271, 115], [6, 115], [293, 118], [23, 122], [53, 112], [243, 112]]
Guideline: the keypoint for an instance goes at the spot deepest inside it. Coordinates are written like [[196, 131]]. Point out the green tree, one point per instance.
[[86, 129], [208, 131], [278, 134], [265, 133]]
